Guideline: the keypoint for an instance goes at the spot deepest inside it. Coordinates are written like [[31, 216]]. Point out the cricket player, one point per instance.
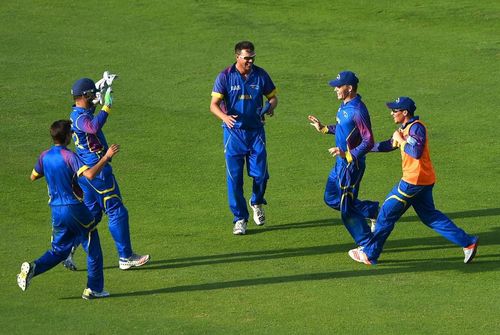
[[413, 190], [71, 219], [101, 193], [353, 140], [237, 99]]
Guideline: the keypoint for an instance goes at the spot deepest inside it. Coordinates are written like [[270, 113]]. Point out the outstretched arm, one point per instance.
[[384, 146], [316, 123]]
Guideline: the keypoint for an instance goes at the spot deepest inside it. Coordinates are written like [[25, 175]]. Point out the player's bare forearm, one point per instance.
[[34, 176], [274, 103], [316, 123], [229, 120], [96, 169]]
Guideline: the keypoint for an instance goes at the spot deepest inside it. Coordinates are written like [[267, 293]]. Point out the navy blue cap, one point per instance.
[[82, 87], [403, 103], [344, 78]]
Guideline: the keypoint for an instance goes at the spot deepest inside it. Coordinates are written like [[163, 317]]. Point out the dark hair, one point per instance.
[[59, 131], [243, 45]]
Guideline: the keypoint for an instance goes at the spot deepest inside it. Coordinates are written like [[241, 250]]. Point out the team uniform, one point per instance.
[[246, 141], [353, 135], [102, 193], [71, 220], [414, 189]]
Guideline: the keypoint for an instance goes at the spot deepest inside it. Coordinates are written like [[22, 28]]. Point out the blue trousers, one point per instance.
[[245, 146], [401, 197], [72, 223], [103, 194], [341, 193]]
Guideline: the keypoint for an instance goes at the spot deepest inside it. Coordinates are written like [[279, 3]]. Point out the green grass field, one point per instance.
[[292, 276]]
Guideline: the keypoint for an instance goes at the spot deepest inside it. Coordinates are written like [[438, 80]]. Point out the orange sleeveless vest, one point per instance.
[[417, 171]]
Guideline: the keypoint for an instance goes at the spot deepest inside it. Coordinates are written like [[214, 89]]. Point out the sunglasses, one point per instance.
[[247, 57]]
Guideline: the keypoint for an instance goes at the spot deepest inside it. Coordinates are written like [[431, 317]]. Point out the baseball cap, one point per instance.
[[344, 78], [82, 87], [404, 103]]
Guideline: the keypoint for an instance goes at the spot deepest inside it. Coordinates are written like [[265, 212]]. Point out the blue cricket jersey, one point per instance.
[[353, 131], [61, 168], [89, 139], [243, 97]]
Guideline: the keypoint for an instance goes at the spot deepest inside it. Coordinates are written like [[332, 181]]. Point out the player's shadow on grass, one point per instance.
[[392, 246], [488, 263], [482, 263], [401, 245]]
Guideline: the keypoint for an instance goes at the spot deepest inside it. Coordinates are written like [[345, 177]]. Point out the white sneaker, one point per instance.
[[69, 263], [359, 256], [470, 252], [133, 261], [88, 294], [240, 227], [24, 277], [258, 214]]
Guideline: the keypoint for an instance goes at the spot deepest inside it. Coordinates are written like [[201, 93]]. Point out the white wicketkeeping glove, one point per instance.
[[102, 86]]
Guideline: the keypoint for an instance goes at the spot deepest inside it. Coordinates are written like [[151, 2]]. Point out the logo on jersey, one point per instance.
[[235, 87], [245, 97], [255, 87]]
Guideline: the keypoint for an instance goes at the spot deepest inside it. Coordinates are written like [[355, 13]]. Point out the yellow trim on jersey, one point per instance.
[[218, 95], [347, 138], [107, 109], [82, 170], [109, 197], [83, 224], [406, 195], [324, 130], [36, 174], [104, 191], [397, 198], [343, 196], [272, 94], [348, 156]]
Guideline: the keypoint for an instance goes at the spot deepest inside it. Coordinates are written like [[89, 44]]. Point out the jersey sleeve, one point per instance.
[[74, 163], [363, 124], [415, 141], [331, 129], [269, 89], [38, 169], [89, 124], [384, 146], [220, 90]]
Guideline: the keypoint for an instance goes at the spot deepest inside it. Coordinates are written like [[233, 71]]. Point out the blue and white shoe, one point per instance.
[[88, 294], [359, 256], [240, 227], [470, 251], [133, 261], [69, 263], [259, 217], [25, 276]]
